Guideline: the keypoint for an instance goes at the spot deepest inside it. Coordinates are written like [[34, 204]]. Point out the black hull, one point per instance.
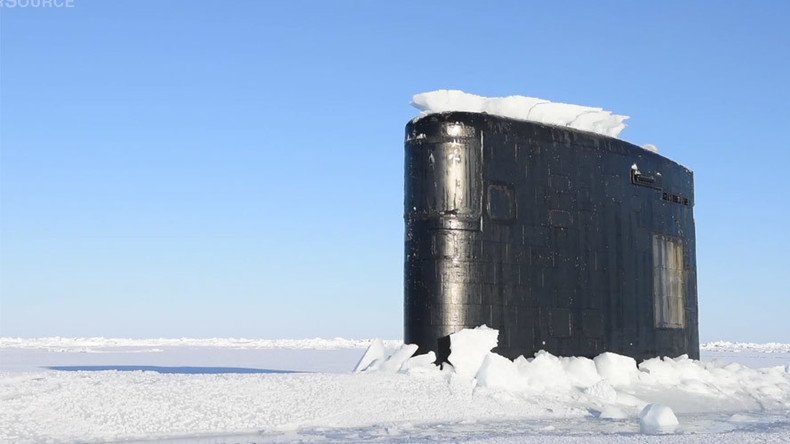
[[548, 234]]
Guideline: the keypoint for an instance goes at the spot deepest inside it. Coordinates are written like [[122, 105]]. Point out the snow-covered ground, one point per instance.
[[235, 390], [101, 344], [57, 343]]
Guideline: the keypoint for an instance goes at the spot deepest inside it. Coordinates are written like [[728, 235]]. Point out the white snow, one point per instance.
[[469, 347], [396, 360], [419, 363], [540, 398], [585, 118], [657, 418], [617, 369], [726, 346], [612, 412], [544, 372], [498, 372], [96, 344]]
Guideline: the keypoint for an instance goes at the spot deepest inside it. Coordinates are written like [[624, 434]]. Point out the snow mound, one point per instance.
[[585, 118], [543, 373], [469, 347], [617, 369], [500, 372], [610, 379], [539, 373], [657, 418], [601, 391]]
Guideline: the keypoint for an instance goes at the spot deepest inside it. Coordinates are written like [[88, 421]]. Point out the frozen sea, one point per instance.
[[238, 392]]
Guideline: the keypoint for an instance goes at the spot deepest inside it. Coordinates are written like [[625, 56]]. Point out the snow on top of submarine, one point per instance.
[[585, 118]]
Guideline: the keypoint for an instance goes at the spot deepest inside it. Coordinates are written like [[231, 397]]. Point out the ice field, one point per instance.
[[240, 390]]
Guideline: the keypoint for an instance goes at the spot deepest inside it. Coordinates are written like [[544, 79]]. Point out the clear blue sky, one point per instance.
[[187, 168]]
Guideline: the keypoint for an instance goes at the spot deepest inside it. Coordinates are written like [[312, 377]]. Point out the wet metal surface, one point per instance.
[[547, 234]]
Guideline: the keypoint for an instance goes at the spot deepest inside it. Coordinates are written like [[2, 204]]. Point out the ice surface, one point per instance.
[[395, 361], [500, 372], [612, 412], [544, 372], [540, 398], [581, 372], [657, 418], [419, 363], [469, 347], [89, 345], [616, 369], [96, 344], [585, 118], [726, 346], [374, 352], [602, 391]]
